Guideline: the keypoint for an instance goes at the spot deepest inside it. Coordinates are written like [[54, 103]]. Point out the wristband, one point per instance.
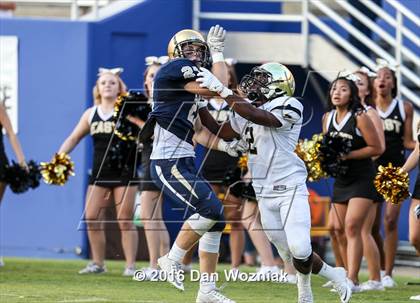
[[217, 57], [225, 92]]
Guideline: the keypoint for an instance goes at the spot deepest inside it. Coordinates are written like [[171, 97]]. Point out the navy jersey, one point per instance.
[[174, 108]]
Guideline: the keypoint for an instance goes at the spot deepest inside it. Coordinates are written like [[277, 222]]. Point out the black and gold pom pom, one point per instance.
[[59, 170], [333, 147], [133, 103], [21, 178], [392, 183], [308, 151]]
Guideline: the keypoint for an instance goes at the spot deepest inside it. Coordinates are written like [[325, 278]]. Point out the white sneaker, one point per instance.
[[304, 290], [186, 268], [92, 268], [354, 288], [415, 298], [328, 284], [341, 285], [213, 296], [173, 271], [146, 274], [371, 285], [291, 279], [388, 282], [264, 273], [129, 271]]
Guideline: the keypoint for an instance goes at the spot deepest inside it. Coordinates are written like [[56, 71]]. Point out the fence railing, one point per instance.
[[405, 59], [73, 5]]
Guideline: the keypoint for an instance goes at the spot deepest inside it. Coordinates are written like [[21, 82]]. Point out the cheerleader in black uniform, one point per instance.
[[353, 192], [106, 181], [414, 216], [397, 117], [14, 142], [157, 235], [370, 249]]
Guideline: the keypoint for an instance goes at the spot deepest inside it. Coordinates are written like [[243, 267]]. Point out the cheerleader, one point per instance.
[[353, 192], [14, 142], [371, 252], [414, 213], [157, 235], [17, 149], [397, 117], [106, 183]]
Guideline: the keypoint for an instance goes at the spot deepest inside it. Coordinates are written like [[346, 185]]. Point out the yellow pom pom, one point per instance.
[[308, 151], [243, 162], [392, 183], [57, 171]]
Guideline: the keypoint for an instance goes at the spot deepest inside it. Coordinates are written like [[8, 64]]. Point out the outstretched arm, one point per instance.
[[81, 130], [237, 103], [14, 141]]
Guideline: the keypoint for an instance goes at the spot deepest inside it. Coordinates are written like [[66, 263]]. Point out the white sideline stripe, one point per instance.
[[166, 183], [177, 174], [84, 300]]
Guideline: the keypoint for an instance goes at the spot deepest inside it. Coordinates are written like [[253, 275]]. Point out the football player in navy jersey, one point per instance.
[[271, 127], [176, 102]]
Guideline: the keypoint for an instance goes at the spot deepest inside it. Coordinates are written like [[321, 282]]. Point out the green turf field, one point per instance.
[[23, 280]]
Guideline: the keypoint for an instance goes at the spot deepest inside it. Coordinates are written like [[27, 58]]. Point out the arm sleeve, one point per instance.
[[289, 112], [238, 124]]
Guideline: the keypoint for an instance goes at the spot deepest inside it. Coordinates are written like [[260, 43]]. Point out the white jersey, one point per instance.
[[168, 146], [274, 166]]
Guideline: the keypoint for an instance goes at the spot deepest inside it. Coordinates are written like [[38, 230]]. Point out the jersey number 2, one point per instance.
[[249, 136]]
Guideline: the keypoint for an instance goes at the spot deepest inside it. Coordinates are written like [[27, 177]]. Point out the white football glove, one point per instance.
[[201, 103], [216, 42], [216, 39], [208, 80], [233, 148]]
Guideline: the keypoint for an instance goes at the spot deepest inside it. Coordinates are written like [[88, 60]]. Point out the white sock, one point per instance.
[[176, 253], [304, 280], [327, 272], [207, 284]]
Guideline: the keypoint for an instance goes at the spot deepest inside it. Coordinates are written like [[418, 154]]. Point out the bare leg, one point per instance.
[[392, 212], [97, 200], [414, 225], [189, 255], [252, 222], [370, 250], [355, 217], [334, 241], [155, 229], [233, 213], [376, 233], [124, 203], [338, 212]]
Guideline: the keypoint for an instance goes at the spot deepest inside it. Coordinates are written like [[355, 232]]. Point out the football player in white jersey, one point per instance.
[[271, 126]]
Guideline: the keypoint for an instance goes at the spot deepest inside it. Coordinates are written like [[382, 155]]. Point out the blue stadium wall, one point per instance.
[[58, 62]]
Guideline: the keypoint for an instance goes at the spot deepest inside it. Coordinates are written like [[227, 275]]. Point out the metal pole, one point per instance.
[[74, 10], [95, 9], [305, 33], [398, 46], [196, 15]]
